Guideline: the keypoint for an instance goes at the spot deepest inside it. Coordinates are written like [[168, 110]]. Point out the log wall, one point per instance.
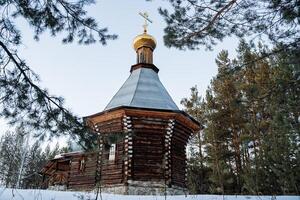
[[153, 147], [180, 138], [82, 179], [112, 171], [148, 148]]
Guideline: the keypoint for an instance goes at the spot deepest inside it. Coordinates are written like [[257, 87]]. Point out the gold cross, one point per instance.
[[146, 17]]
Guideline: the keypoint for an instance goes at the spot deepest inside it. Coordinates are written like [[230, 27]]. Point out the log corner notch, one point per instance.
[[151, 153], [128, 149]]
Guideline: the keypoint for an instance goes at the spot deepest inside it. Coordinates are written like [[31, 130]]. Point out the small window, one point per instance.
[[112, 152], [81, 167]]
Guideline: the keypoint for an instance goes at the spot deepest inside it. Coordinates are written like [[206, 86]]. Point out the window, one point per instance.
[[112, 152], [81, 167]]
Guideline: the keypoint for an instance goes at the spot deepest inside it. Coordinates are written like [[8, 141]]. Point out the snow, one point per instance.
[[58, 156], [18, 194]]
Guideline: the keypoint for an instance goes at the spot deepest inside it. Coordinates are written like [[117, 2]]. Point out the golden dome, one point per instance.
[[144, 40]]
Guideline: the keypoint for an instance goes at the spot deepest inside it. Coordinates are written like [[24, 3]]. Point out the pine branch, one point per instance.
[[211, 22], [37, 88]]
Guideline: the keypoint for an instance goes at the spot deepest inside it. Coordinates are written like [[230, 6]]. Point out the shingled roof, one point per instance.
[[143, 89]]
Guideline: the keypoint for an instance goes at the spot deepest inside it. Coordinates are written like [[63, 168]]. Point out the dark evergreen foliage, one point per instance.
[[10, 158], [195, 23], [251, 124], [23, 102]]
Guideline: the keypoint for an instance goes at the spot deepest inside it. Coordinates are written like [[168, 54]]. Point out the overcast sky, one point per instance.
[[88, 76]]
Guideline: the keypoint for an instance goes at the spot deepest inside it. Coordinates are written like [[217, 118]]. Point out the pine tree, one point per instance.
[[10, 158], [23, 102], [198, 172], [193, 24], [216, 142], [225, 111], [281, 143], [254, 86], [35, 161], [251, 123]]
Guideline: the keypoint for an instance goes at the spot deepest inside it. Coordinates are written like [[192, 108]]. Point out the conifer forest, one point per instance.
[[249, 142]]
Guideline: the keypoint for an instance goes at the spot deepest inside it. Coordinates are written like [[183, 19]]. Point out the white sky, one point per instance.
[[88, 76]]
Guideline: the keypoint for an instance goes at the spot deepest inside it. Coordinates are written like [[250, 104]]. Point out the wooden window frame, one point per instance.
[[112, 154], [82, 164]]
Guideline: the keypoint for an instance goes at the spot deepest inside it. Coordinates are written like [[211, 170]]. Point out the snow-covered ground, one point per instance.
[[13, 194]]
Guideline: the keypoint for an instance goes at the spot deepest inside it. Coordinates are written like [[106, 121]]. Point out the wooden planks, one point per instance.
[[85, 177], [180, 138], [153, 148], [148, 148]]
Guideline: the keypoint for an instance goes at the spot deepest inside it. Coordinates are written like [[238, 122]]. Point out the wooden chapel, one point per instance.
[[151, 159], [150, 155]]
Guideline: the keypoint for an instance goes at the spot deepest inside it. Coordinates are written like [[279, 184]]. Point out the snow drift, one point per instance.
[[19, 194]]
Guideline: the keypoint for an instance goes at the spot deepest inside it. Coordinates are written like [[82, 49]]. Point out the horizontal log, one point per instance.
[[119, 168], [147, 171], [142, 141], [145, 161], [147, 148], [176, 153], [111, 172], [180, 137], [149, 130], [91, 175], [81, 181], [109, 123], [148, 153], [78, 184], [149, 126], [183, 127], [150, 119], [111, 177], [112, 182], [112, 130], [147, 178]]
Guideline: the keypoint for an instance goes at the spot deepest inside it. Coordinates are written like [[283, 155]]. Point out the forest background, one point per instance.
[[250, 113]]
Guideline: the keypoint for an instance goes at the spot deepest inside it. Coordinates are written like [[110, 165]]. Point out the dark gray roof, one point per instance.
[[143, 89]]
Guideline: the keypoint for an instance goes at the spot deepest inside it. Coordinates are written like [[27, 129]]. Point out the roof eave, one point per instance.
[[146, 109]]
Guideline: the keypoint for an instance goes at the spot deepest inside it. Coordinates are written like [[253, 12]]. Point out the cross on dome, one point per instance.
[[145, 15]]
